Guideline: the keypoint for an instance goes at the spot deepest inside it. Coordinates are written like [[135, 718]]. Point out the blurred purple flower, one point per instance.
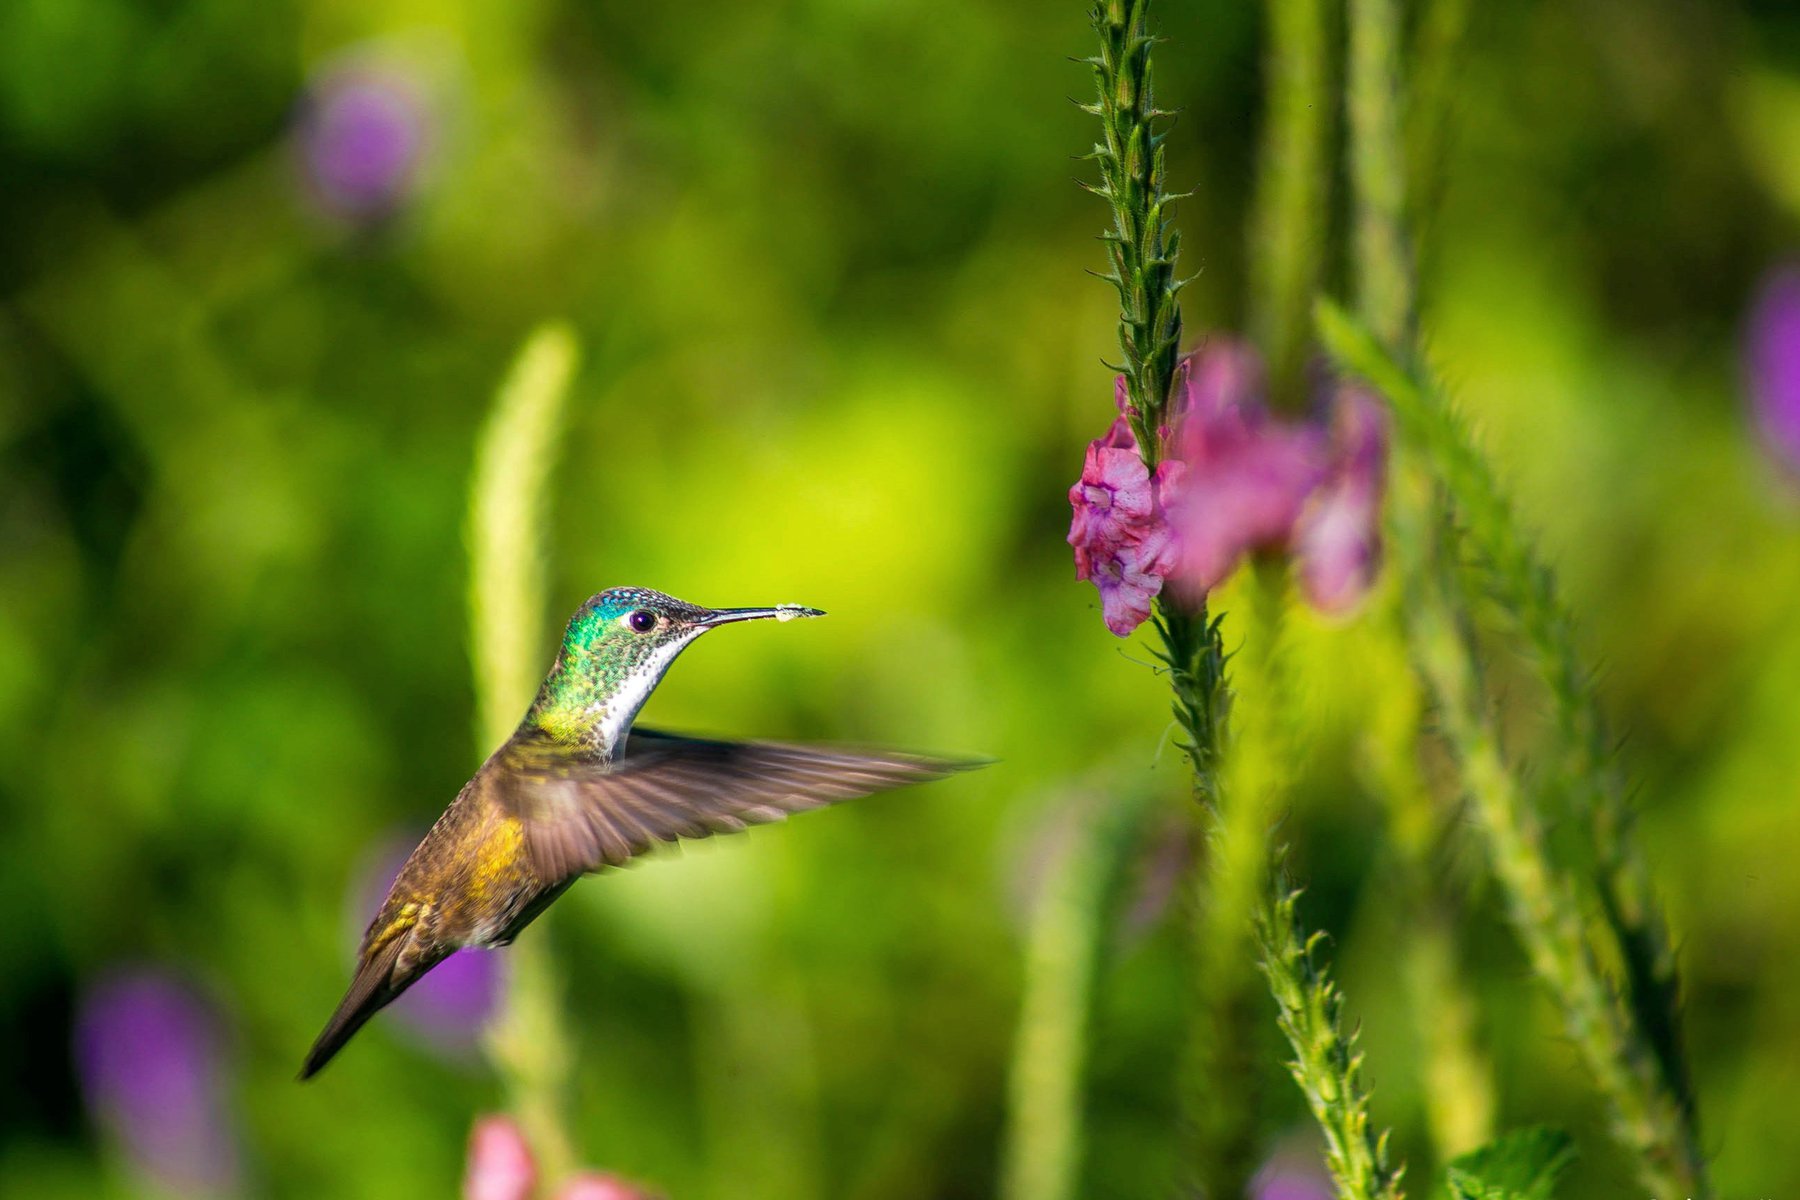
[[363, 134], [452, 1003], [1772, 362], [149, 1054], [1245, 475], [1235, 481]]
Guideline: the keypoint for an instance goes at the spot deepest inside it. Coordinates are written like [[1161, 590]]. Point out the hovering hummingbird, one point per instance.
[[577, 789]]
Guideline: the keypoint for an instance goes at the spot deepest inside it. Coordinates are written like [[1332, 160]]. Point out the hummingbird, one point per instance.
[[577, 789]]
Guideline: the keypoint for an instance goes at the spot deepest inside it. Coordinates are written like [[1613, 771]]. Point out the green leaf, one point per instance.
[[1521, 1165]]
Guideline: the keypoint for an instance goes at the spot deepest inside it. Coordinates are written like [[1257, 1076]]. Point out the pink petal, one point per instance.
[[500, 1163], [1223, 378], [1245, 497], [1112, 503], [1338, 547], [1130, 578], [590, 1185], [1338, 541]]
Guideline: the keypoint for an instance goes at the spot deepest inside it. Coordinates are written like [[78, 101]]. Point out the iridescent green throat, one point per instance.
[[601, 678]]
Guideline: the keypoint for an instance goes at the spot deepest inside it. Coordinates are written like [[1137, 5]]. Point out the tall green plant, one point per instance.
[[1142, 246], [1070, 915], [1287, 245], [513, 460], [1626, 1040]]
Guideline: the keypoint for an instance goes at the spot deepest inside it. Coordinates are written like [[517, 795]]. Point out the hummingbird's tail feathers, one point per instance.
[[376, 984]]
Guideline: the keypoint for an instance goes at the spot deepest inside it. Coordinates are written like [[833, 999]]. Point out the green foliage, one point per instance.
[[1522, 1165]]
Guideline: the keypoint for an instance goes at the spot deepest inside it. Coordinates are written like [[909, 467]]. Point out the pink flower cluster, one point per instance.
[[1234, 481], [502, 1167]]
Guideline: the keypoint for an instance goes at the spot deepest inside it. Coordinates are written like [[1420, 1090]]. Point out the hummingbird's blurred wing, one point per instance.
[[584, 816]]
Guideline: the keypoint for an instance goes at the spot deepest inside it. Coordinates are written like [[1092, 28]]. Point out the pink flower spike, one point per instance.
[[592, 1186], [500, 1163], [1112, 500], [1116, 528], [1338, 539]]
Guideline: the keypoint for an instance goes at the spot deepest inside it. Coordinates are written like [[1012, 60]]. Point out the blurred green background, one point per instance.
[[825, 262]]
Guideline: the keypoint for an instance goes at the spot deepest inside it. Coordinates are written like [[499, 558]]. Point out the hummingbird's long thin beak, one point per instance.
[[781, 612]]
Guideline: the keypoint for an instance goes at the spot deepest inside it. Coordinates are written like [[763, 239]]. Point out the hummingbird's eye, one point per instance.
[[641, 621]]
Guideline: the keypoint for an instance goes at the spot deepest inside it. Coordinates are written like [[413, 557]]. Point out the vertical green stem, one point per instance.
[[1437, 84], [1631, 1043], [1457, 1076], [1141, 249], [529, 1044], [1225, 1101], [1069, 916], [1458, 1082], [1545, 908], [1288, 240], [1326, 1063], [1384, 279], [1632, 1048]]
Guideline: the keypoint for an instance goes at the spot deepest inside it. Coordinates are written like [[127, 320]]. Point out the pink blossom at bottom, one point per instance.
[[589, 1186], [501, 1166]]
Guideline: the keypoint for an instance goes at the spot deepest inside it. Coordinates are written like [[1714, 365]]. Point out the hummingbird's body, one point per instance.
[[576, 790]]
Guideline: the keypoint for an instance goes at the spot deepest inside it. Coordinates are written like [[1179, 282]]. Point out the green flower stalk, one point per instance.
[[1631, 1048], [1384, 274], [1142, 245], [529, 1044], [1587, 778], [1141, 248], [1326, 1062], [1436, 58], [1647, 1117], [1226, 1101], [1076, 902], [1287, 244], [1626, 1040], [1458, 1079], [1457, 1076]]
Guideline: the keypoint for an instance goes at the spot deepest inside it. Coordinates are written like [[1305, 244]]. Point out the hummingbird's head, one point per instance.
[[614, 654]]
